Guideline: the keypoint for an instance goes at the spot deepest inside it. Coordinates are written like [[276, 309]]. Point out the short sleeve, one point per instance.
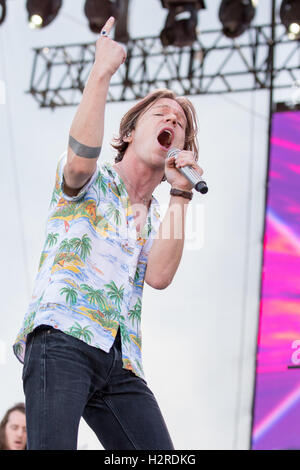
[[59, 182]]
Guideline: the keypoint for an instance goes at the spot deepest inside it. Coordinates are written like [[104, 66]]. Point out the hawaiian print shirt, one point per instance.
[[91, 272]]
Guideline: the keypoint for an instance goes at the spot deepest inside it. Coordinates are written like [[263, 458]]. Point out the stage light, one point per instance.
[[2, 10], [98, 12], [35, 21], [181, 23], [41, 13], [294, 28], [236, 16], [290, 17], [121, 29]]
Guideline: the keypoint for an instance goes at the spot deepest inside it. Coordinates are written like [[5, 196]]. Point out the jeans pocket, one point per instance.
[[29, 344]]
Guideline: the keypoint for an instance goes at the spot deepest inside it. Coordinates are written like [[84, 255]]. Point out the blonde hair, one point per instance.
[[129, 120]]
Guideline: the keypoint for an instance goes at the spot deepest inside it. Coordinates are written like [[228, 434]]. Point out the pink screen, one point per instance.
[[276, 411]]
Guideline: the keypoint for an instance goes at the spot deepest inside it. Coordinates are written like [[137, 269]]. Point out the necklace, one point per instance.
[[144, 200]]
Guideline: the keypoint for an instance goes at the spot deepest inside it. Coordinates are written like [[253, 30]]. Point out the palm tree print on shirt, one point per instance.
[[79, 332], [105, 322], [51, 239], [95, 296], [71, 294], [135, 313], [72, 253], [114, 212], [123, 330], [81, 246], [105, 309], [115, 294], [112, 313], [65, 246], [69, 211], [137, 274], [80, 289], [55, 196], [42, 259], [99, 185]]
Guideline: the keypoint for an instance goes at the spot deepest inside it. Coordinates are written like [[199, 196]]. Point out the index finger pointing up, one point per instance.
[[108, 25]]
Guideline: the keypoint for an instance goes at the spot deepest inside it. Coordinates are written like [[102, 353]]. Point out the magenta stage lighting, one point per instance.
[[276, 407]]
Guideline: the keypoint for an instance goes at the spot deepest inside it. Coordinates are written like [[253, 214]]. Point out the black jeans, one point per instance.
[[65, 378]]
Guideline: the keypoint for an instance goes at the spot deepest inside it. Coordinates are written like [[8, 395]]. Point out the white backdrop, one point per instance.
[[199, 334]]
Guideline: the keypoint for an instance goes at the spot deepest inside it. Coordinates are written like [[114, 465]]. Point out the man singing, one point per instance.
[[81, 340]]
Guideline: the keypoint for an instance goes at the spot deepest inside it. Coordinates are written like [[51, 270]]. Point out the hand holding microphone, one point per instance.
[[190, 173]]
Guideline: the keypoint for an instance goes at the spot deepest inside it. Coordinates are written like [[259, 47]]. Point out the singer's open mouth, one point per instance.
[[165, 138]]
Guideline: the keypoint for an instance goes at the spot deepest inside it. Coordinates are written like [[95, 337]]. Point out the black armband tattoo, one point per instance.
[[83, 150]]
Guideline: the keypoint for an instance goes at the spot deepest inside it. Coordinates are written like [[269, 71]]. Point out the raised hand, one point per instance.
[[109, 54]]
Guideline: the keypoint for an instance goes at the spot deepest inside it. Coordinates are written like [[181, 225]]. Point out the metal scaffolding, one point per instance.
[[214, 64]]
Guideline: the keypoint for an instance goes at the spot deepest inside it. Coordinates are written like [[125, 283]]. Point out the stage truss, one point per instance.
[[213, 65]]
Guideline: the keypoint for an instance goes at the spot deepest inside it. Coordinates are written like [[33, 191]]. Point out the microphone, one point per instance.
[[191, 175]]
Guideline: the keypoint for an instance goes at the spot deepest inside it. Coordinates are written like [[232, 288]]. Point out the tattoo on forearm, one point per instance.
[[83, 150]]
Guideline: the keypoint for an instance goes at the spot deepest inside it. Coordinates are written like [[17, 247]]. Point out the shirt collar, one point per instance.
[[154, 202], [153, 216]]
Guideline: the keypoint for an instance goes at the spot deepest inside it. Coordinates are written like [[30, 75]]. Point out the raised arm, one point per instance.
[[86, 132]]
